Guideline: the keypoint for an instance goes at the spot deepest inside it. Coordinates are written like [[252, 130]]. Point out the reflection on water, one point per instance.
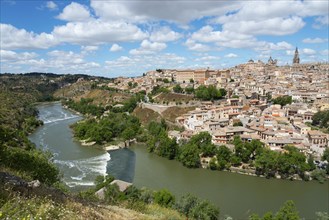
[[122, 165]]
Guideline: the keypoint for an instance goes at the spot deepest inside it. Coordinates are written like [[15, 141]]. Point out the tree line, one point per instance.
[[246, 154]]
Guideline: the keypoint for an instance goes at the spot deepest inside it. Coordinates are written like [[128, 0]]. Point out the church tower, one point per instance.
[[296, 57]]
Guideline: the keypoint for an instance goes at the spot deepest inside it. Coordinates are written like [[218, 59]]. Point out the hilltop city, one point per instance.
[[248, 110]]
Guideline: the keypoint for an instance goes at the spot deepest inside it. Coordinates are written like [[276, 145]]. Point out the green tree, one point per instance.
[[178, 89], [287, 211], [325, 155], [310, 162], [282, 100], [204, 211], [187, 203], [224, 156], [321, 119], [189, 155], [266, 163], [164, 198], [236, 124]]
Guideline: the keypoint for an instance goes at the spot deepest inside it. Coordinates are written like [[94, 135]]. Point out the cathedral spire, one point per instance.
[[296, 57]]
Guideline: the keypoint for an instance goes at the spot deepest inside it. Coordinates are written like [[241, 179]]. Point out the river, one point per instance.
[[237, 195]]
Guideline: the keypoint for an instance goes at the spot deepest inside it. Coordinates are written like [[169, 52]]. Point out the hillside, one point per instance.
[[146, 115], [30, 184]]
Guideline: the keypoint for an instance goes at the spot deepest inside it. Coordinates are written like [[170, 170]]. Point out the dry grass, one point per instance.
[[173, 97], [43, 208], [80, 90], [146, 115], [173, 112]]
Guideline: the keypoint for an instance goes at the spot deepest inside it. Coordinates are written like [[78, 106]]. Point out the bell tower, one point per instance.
[[296, 57]]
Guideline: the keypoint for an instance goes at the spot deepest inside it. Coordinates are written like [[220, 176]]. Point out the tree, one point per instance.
[[325, 155], [164, 198], [224, 156], [266, 163], [178, 89], [282, 100], [236, 124], [310, 162], [213, 164], [189, 155], [204, 211], [187, 203], [291, 162], [321, 119], [287, 211], [189, 90], [165, 80]]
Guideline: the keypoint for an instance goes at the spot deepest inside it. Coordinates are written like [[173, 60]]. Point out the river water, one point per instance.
[[237, 195]]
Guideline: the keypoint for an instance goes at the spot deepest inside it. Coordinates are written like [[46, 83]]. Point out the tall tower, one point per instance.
[[296, 57]]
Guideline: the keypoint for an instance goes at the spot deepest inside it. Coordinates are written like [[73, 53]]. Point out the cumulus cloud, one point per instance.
[[142, 11], [230, 39], [89, 48], [273, 26], [12, 56], [308, 51], [192, 45], [75, 12], [98, 32], [115, 48], [143, 63], [207, 58], [316, 40], [51, 5], [148, 47], [12, 38], [164, 34], [231, 55]]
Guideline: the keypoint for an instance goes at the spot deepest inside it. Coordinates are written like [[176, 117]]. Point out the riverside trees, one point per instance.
[[115, 125], [251, 154]]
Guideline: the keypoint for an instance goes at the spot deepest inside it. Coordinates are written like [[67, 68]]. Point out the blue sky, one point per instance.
[[128, 38]]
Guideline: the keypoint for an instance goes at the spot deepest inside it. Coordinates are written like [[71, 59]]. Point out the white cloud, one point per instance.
[[316, 40], [231, 55], [325, 53], [57, 60], [89, 48], [177, 11], [323, 20], [10, 56], [308, 51], [13, 38], [148, 47], [231, 39], [164, 34], [75, 12], [272, 26], [207, 58], [51, 5], [115, 48], [96, 32], [143, 63], [192, 45]]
